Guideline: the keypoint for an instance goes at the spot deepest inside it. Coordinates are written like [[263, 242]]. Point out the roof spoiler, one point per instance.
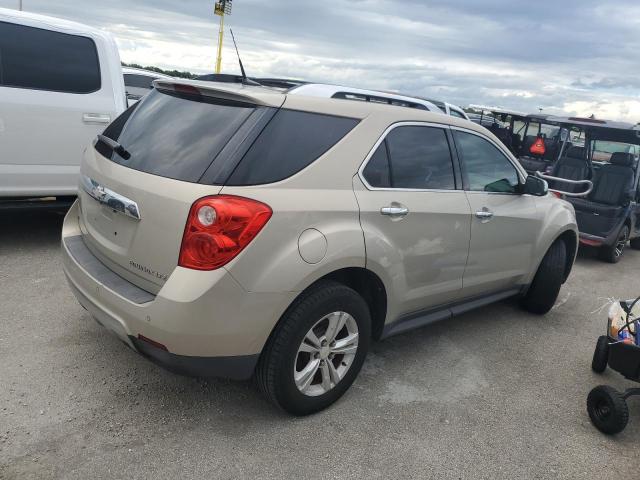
[[215, 91]]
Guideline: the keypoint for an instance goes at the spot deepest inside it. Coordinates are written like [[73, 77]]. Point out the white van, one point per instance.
[[60, 84]]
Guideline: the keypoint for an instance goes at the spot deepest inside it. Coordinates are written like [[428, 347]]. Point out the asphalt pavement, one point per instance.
[[494, 394]]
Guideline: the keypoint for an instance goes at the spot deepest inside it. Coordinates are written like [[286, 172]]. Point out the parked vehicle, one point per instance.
[[275, 235], [448, 108], [507, 125], [138, 82], [60, 84], [485, 120], [609, 217]]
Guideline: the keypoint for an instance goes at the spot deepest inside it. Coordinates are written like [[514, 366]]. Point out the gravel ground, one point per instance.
[[496, 393]]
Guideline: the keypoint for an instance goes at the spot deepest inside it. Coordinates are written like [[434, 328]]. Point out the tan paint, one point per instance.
[[421, 259]]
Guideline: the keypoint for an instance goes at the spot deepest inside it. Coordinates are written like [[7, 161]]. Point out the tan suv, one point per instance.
[[234, 231]]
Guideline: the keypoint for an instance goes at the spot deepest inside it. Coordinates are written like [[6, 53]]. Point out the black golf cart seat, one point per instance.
[[598, 213], [573, 166], [530, 161]]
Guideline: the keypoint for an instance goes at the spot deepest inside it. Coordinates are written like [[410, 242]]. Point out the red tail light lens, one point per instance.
[[219, 228]]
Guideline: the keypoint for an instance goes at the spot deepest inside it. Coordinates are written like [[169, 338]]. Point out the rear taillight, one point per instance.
[[218, 229]]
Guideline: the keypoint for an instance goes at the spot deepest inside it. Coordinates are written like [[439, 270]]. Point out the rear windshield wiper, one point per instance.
[[115, 146]]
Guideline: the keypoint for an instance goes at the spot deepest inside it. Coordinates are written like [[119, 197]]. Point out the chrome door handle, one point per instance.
[[394, 211], [484, 214], [96, 118]]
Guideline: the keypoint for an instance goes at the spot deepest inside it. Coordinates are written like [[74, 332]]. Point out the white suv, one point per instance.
[[60, 84]]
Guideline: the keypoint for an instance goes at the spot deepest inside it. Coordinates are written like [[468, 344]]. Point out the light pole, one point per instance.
[[20, 5], [222, 8]]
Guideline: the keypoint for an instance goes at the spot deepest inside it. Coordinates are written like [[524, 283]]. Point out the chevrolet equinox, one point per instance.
[[238, 231]]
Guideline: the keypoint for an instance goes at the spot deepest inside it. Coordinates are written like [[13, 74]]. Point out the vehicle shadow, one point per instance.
[[33, 227]]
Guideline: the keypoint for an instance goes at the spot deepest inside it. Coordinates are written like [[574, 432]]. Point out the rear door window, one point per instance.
[[291, 141], [40, 59], [175, 135], [377, 172], [420, 158]]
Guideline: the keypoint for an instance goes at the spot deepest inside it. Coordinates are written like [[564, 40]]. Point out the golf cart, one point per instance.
[[608, 214], [535, 139], [505, 124], [541, 143]]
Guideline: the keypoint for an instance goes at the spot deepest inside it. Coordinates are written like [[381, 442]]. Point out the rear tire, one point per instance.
[[285, 356], [600, 355], [544, 290], [607, 409], [614, 253]]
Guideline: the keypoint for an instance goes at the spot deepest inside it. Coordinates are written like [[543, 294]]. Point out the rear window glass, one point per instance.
[[291, 141], [40, 59], [139, 81], [174, 135]]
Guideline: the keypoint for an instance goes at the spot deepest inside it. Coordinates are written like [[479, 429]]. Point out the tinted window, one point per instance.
[[376, 173], [40, 59], [420, 158], [175, 135], [140, 81], [487, 168], [455, 113], [291, 141]]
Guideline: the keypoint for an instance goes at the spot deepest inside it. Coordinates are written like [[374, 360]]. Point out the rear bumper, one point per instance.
[[591, 240], [209, 325], [597, 241], [238, 367]]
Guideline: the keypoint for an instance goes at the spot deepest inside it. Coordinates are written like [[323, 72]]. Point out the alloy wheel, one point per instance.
[[622, 242], [326, 354]]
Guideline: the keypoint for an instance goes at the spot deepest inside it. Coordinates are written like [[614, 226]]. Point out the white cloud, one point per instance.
[[577, 55]]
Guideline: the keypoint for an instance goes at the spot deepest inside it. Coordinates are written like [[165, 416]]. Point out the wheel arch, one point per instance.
[[366, 283], [570, 239]]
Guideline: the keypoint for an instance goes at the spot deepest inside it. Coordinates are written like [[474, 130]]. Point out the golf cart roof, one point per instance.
[[497, 110], [597, 129]]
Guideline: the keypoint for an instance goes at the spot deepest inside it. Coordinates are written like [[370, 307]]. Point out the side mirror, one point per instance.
[[535, 186]]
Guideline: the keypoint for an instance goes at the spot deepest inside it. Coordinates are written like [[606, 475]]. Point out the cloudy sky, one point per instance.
[[577, 56]]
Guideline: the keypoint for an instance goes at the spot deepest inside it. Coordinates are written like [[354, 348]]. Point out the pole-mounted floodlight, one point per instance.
[[222, 8]]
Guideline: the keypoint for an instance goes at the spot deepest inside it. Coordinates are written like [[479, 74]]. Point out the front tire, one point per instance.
[[545, 288], [607, 409], [317, 350], [600, 355], [614, 253]]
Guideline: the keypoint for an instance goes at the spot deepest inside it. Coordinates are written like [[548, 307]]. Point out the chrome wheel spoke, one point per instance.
[[346, 345], [305, 376], [312, 339], [336, 324], [305, 347], [333, 372], [326, 377]]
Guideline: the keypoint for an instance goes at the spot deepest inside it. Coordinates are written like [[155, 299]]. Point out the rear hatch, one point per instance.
[[178, 144]]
